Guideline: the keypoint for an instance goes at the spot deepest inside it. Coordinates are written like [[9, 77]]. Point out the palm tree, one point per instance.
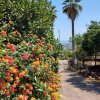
[[72, 9]]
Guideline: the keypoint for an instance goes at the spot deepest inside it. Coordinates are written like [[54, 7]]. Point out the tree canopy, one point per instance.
[[35, 15], [91, 39], [72, 8]]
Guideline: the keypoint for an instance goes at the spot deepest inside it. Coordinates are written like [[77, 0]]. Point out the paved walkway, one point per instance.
[[74, 87]]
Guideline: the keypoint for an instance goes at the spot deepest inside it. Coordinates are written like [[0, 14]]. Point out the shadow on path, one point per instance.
[[79, 82]]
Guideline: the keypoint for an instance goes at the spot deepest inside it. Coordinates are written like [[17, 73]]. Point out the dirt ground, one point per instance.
[[75, 87]]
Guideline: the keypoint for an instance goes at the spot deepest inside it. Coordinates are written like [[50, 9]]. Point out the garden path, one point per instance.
[[75, 87]]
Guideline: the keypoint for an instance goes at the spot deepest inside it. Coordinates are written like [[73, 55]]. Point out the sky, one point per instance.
[[62, 25]]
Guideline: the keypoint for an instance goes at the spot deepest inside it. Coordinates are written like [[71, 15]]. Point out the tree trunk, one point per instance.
[[95, 58], [83, 62], [73, 45]]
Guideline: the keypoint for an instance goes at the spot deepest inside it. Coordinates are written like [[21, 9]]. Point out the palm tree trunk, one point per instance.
[[73, 45]]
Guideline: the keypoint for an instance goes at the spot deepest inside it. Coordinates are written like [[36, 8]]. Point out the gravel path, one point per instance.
[[74, 87]]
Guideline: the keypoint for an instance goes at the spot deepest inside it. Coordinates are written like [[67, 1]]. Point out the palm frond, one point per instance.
[[65, 10], [77, 0], [68, 0], [76, 6], [79, 7]]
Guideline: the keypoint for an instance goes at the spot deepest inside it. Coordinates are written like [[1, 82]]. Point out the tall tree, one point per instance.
[[72, 9]]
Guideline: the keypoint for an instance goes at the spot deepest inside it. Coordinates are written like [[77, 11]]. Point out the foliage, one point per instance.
[[28, 15], [64, 55], [26, 68], [91, 39], [79, 52], [89, 42], [28, 51], [72, 8], [78, 40], [67, 53], [57, 52]]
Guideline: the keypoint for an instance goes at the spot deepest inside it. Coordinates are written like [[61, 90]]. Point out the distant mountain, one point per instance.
[[66, 44], [64, 41]]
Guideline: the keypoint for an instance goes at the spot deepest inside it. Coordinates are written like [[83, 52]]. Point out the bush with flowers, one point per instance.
[[28, 51], [27, 66]]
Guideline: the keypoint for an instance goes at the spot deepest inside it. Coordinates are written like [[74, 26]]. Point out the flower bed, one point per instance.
[[26, 67]]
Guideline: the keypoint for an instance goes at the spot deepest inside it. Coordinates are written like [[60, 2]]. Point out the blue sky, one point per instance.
[[91, 11]]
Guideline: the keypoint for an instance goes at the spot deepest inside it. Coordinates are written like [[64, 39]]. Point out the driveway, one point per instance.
[[75, 87]]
